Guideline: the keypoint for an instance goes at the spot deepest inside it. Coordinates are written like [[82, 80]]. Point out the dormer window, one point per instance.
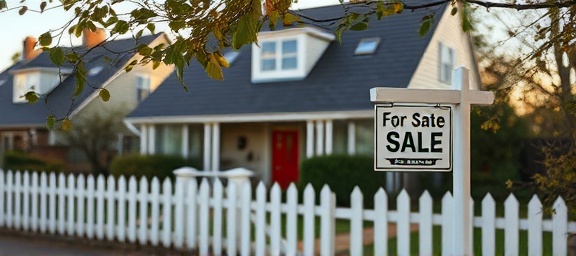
[[447, 59], [39, 80], [287, 54], [367, 46]]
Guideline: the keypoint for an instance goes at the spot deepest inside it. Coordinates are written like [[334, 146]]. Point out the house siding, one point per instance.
[[449, 33]]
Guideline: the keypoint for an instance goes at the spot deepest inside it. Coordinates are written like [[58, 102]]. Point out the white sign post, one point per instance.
[[460, 98]]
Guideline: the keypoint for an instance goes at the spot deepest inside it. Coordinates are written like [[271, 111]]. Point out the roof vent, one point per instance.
[[367, 46]]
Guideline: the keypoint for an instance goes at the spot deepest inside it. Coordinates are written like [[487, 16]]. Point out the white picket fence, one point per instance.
[[196, 217]]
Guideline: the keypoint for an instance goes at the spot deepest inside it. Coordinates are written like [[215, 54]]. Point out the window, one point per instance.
[[446, 63], [95, 70], [231, 56], [367, 46], [279, 55], [22, 85], [142, 87]]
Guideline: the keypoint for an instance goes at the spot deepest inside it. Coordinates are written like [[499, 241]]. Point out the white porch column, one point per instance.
[[185, 140], [151, 139], [329, 137], [143, 139], [216, 147], [207, 146], [120, 143], [351, 138], [309, 139], [319, 137], [51, 138]]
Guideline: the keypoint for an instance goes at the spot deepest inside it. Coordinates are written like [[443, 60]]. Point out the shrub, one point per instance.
[[149, 166], [342, 173], [22, 161]]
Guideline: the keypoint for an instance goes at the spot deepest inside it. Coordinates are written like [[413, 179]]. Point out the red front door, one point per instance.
[[284, 157]]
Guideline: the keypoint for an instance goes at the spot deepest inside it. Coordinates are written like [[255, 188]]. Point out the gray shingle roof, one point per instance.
[[339, 81], [59, 101]]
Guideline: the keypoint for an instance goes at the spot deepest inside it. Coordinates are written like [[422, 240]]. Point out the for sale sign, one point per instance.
[[413, 138]]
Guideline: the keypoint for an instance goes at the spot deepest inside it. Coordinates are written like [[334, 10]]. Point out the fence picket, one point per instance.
[[166, 212], [381, 223], [179, 214], [143, 218], [535, 226], [25, 188], [192, 214], [559, 228], [52, 219], [2, 198], [204, 217], [511, 234], [71, 191], [90, 206], [403, 226], [17, 200], [425, 224], [61, 204], [35, 188], [447, 231], [121, 231], [110, 208], [292, 220], [132, 210], [309, 220], [43, 202], [80, 197], [488, 226], [275, 215], [245, 245], [232, 221], [9, 196], [217, 197], [260, 226], [356, 222], [155, 211], [327, 204], [101, 188]]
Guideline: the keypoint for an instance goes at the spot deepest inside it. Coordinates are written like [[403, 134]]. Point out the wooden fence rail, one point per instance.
[[212, 219]]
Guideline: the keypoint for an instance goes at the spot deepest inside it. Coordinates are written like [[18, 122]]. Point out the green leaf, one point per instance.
[[23, 10], [3, 4], [80, 76], [290, 19], [45, 39], [131, 65], [214, 70], [42, 6], [151, 27], [454, 11], [66, 125], [425, 27], [50, 121], [105, 95], [121, 27], [246, 32], [144, 50], [57, 56], [31, 97], [466, 25], [359, 26]]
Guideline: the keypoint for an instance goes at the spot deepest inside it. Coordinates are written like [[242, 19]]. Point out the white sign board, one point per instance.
[[413, 138]]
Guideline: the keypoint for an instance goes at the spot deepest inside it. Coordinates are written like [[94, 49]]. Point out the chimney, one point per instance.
[[92, 38], [28, 51]]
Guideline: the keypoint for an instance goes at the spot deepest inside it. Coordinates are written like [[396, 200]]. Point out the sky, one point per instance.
[[15, 28]]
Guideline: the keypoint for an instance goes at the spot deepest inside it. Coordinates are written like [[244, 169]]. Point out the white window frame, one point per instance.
[[139, 87], [446, 61], [278, 55], [278, 73]]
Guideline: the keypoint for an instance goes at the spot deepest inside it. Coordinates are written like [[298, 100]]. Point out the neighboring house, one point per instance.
[[23, 125], [299, 93]]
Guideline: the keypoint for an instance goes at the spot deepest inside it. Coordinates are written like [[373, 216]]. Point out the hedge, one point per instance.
[[342, 173], [149, 166], [22, 161]]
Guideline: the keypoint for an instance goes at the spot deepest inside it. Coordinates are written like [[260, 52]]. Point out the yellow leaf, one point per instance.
[[67, 125]]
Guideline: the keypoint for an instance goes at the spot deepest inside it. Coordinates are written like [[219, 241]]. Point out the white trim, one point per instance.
[[41, 69], [144, 139], [329, 137], [351, 137], [319, 137], [151, 139], [207, 146], [309, 138], [297, 31], [264, 117], [215, 147]]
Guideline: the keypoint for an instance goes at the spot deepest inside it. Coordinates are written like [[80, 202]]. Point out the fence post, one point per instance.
[[238, 176], [183, 177]]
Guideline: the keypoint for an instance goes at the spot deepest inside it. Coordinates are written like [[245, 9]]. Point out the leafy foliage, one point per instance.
[[21, 161], [149, 166]]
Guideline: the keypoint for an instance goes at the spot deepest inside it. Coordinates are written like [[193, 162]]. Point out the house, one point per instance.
[[299, 93], [23, 126]]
